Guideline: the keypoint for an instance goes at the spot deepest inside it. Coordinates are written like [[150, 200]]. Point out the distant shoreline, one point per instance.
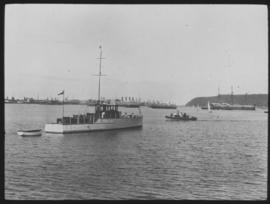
[[47, 103], [259, 100], [179, 106]]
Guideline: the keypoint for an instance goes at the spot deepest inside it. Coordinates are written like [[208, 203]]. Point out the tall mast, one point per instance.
[[63, 108], [99, 74]]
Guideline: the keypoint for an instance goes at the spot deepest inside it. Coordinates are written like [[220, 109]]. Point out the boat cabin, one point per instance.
[[107, 111], [103, 111]]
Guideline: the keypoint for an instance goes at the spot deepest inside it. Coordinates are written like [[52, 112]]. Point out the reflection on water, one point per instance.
[[223, 155]]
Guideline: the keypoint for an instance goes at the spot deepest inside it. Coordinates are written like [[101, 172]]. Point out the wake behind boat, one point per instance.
[[105, 117], [29, 132]]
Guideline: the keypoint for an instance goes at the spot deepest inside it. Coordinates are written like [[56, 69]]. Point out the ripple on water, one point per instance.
[[206, 159]]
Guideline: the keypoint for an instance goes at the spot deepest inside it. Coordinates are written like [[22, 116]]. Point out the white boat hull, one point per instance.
[[99, 125]]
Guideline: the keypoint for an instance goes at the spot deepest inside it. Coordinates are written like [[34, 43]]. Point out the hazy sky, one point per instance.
[[166, 52]]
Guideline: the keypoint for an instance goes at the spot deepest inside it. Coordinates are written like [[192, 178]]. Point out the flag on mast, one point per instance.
[[61, 93]]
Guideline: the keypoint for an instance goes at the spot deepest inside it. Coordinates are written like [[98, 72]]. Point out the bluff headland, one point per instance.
[[250, 99]]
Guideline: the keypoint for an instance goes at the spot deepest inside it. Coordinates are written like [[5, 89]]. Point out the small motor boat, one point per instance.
[[182, 117], [29, 132], [192, 118]]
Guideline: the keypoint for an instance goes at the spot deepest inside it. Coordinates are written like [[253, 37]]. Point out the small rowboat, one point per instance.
[[29, 132]]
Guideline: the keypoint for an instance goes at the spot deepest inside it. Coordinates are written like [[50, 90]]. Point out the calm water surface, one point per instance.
[[223, 155]]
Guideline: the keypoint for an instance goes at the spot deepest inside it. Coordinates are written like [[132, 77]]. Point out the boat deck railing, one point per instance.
[[90, 118]]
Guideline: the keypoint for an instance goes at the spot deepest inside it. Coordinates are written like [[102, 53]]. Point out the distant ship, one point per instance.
[[163, 106], [106, 117], [129, 102], [226, 106], [130, 105]]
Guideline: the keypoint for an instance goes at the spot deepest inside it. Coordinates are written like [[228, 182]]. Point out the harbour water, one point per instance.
[[223, 155]]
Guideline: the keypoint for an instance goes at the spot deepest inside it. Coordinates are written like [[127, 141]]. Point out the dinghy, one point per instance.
[[29, 132]]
